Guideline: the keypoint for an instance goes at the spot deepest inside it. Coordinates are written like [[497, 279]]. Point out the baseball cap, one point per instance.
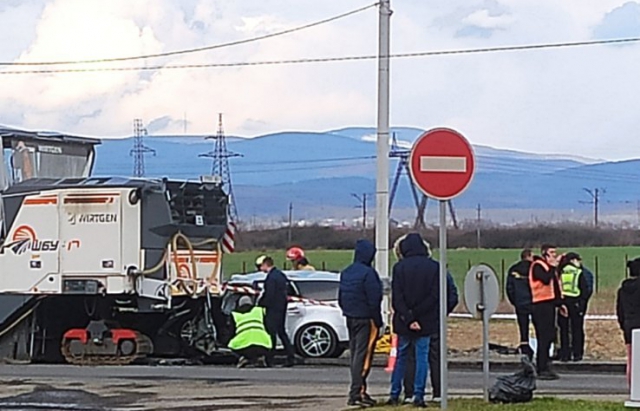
[[260, 260], [573, 256]]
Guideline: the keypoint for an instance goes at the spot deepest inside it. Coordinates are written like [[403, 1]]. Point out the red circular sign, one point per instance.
[[442, 163]]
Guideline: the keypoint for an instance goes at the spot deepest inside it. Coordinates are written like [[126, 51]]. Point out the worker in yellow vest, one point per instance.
[[251, 342], [546, 297], [576, 292]]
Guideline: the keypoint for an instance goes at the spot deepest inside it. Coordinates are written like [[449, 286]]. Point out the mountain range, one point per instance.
[[319, 172]]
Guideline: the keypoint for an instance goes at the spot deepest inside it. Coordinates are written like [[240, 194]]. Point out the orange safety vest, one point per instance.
[[540, 291]]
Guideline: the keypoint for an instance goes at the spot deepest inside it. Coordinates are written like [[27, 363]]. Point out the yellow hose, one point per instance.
[[193, 271], [213, 277], [156, 267]]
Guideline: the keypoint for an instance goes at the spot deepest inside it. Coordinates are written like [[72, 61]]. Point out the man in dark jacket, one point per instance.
[[576, 292], [434, 342], [519, 295], [546, 297], [628, 308], [415, 296], [274, 300], [360, 298]]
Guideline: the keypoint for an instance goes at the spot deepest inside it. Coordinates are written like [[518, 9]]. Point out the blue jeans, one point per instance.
[[422, 366]]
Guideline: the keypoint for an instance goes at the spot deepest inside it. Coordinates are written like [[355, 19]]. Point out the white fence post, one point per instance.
[[634, 400]]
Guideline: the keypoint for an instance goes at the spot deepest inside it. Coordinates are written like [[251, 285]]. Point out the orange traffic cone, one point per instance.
[[391, 363]]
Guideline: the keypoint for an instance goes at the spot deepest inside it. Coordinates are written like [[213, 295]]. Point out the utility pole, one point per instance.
[[184, 123], [382, 146], [363, 205], [478, 222], [290, 222], [595, 195]]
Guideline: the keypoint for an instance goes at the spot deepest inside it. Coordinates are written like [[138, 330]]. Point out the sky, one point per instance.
[[575, 101]]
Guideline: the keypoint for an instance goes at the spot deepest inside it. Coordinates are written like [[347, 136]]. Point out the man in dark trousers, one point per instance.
[[628, 308], [576, 292], [519, 295], [274, 300], [415, 297], [360, 298], [546, 297], [434, 343]]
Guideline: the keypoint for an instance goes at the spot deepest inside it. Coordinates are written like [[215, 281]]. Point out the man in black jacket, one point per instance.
[[360, 298], [576, 292], [519, 295], [628, 308], [415, 298], [546, 297], [434, 341], [274, 300]]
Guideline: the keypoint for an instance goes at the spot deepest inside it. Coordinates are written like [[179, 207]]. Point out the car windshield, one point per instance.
[[319, 290]]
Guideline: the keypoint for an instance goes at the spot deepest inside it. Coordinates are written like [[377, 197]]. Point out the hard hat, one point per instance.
[[245, 300], [295, 253], [260, 260]]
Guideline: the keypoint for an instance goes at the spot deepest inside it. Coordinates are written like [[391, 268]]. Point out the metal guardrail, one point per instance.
[[513, 316]]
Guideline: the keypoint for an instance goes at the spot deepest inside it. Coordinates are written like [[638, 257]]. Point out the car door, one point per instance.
[[296, 311]]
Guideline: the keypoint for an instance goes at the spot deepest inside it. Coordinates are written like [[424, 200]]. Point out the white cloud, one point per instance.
[[579, 101], [484, 20]]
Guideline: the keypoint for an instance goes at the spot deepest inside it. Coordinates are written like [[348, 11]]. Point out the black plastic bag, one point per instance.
[[517, 387]]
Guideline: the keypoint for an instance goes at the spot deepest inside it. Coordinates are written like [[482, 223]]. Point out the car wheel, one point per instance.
[[316, 341]]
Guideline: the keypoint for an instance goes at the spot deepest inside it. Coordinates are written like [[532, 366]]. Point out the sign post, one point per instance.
[[442, 165], [442, 246], [482, 295], [634, 363]]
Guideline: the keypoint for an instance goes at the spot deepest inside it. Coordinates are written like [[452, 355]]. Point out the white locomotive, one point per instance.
[[103, 269]]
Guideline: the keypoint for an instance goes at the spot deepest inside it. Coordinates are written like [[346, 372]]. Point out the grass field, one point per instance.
[[544, 404], [607, 263]]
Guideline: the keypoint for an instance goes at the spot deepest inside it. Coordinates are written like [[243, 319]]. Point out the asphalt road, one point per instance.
[[198, 388]]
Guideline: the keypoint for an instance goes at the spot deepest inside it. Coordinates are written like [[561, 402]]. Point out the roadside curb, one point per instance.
[[608, 367]]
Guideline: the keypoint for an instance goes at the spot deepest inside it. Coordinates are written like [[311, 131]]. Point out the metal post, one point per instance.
[[626, 271], [503, 284], [485, 337], [289, 234], [597, 276], [442, 245], [382, 178]]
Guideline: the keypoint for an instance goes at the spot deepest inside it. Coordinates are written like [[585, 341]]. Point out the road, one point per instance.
[[199, 388]]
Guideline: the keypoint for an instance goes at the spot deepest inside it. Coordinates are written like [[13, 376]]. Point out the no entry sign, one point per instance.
[[442, 163]]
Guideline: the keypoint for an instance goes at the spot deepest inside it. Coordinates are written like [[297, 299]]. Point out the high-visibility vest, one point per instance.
[[250, 330], [540, 291], [570, 278]]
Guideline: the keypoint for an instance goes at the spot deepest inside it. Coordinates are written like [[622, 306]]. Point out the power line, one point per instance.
[[328, 160], [193, 50], [258, 170], [331, 59]]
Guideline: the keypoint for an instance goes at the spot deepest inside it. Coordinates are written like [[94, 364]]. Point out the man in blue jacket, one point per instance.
[[360, 298], [274, 300], [434, 342], [415, 299]]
